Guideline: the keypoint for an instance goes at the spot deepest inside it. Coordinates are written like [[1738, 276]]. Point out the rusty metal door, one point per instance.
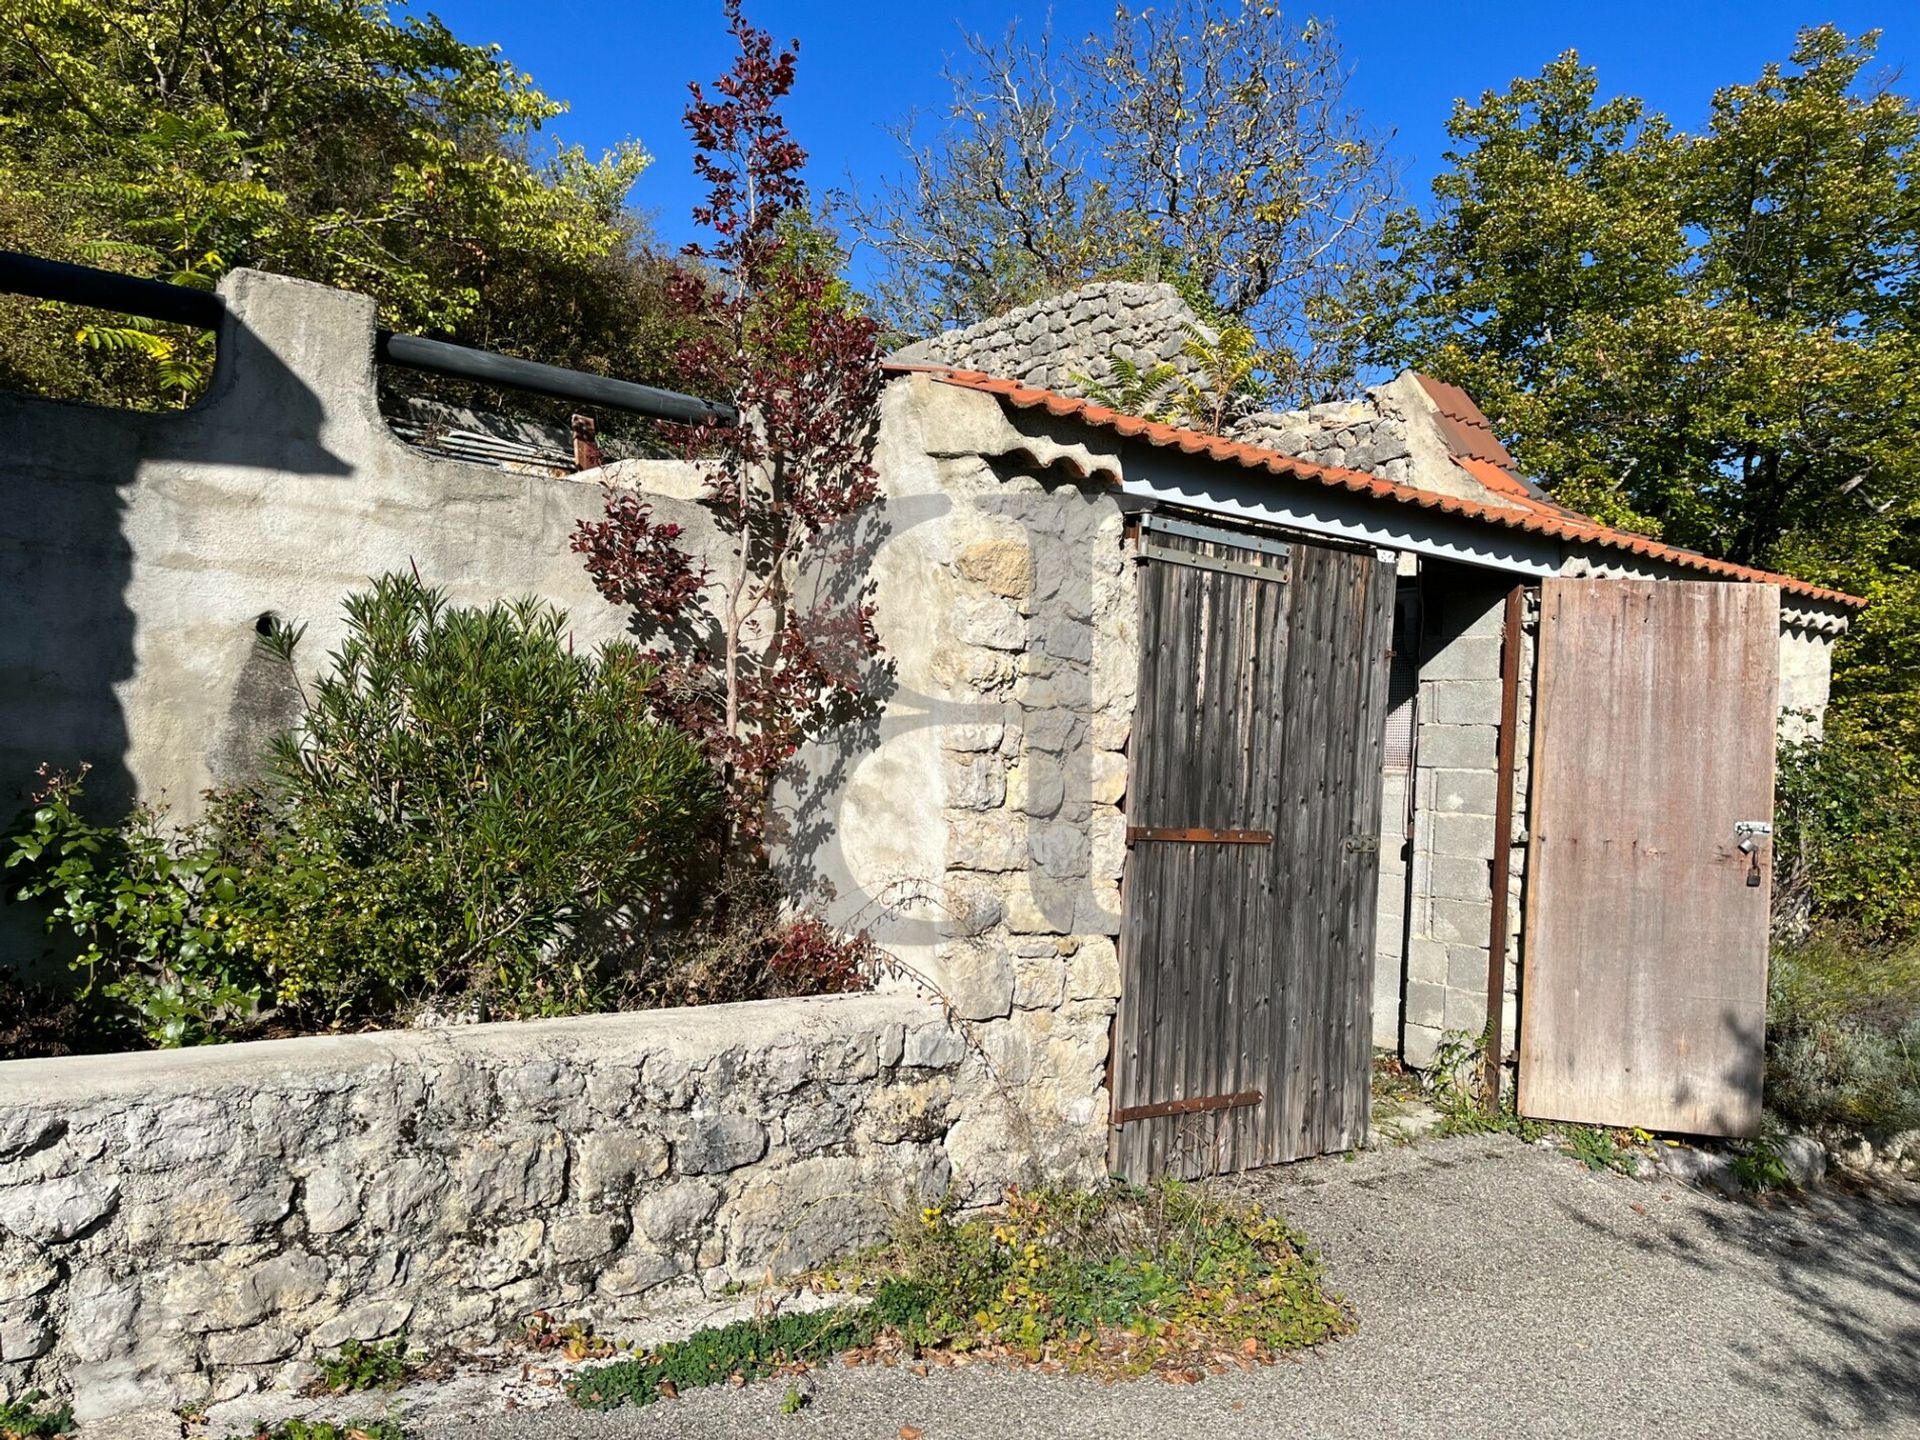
[[1244, 1031], [1644, 992]]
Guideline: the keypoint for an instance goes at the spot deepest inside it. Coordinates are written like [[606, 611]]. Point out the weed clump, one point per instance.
[[1121, 1280], [31, 1417], [366, 1365]]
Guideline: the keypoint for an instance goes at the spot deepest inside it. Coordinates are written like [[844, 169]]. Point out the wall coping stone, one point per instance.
[[697, 1030]]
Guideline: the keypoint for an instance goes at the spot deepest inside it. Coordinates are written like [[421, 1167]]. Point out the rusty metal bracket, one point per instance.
[[1195, 1105], [1277, 574], [1198, 835]]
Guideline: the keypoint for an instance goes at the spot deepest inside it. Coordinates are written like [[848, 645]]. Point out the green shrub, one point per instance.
[[470, 808], [31, 1418], [325, 1430], [751, 1349], [141, 905], [366, 1365], [1120, 1279], [1843, 1034], [470, 798], [1847, 847]]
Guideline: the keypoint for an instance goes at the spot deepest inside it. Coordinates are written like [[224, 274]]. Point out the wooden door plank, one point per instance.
[[1645, 982]]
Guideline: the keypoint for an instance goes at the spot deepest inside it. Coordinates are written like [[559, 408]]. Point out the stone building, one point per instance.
[[1205, 766]]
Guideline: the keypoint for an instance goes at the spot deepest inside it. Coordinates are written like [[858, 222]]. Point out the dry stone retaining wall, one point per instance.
[[182, 1227], [1354, 434], [1059, 342]]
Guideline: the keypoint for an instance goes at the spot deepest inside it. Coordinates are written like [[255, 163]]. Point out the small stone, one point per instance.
[[636, 1273], [373, 1321], [575, 1239], [23, 1131], [933, 1046], [1036, 786], [610, 1161], [25, 1332], [972, 905], [1003, 566], [54, 1212], [1804, 1157], [330, 1200], [988, 622], [509, 1254], [973, 738], [977, 783], [714, 1144], [670, 1215], [259, 1345]]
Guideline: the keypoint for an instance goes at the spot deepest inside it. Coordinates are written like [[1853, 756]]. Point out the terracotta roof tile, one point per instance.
[[1526, 513], [1469, 434]]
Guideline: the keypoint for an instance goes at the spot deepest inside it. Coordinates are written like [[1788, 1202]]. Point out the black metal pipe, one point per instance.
[[105, 290], [156, 300], [458, 361]]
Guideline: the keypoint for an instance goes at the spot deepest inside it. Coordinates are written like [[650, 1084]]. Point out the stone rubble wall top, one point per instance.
[[1060, 342]]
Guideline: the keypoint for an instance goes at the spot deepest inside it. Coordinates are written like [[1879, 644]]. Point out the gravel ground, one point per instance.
[[1502, 1291]]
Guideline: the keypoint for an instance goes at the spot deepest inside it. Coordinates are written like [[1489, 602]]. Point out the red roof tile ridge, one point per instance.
[[1525, 514]]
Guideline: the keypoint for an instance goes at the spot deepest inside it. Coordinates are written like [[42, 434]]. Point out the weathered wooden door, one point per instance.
[[1243, 1036], [1643, 999]]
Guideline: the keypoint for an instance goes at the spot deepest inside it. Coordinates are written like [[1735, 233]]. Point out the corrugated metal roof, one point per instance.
[[1525, 513]]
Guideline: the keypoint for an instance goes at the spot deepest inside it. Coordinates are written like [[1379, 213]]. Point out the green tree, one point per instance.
[[1206, 143], [1710, 337], [343, 141]]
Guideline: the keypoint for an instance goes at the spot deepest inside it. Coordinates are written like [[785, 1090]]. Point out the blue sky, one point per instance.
[[625, 67]]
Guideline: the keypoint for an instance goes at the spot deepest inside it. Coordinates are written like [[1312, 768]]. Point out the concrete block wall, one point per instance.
[[1450, 909]]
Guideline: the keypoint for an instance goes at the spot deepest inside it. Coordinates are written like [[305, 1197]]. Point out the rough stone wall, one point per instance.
[[191, 1225], [1455, 780], [979, 832], [1052, 342], [1355, 434]]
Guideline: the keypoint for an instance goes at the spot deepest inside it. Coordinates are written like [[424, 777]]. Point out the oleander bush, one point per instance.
[[470, 810]]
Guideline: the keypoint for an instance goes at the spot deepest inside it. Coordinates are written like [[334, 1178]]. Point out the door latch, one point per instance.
[[1748, 830]]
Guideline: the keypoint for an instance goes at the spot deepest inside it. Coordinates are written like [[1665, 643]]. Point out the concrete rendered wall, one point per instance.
[[178, 1226], [187, 1226], [138, 552]]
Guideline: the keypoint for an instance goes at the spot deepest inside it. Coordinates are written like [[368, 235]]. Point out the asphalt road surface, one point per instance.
[[1502, 1291]]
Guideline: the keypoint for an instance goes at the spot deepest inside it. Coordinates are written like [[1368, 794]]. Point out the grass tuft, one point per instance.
[[1121, 1280]]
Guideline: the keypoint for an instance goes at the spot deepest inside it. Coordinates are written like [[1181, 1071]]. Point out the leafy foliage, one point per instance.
[[142, 904], [470, 808], [1708, 336], [792, 647], [352, 144], [326, 1430], [31, 1418], [366, 1365], [1207, 143], [1119, 1279], [1847, 847], [750, 1349], [1843, 1034], [468, 798]]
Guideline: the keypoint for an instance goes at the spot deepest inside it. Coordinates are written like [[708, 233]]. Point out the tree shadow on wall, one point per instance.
[[90, 492]]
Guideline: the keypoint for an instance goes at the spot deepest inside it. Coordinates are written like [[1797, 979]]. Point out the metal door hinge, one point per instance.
[[1363, 844]]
